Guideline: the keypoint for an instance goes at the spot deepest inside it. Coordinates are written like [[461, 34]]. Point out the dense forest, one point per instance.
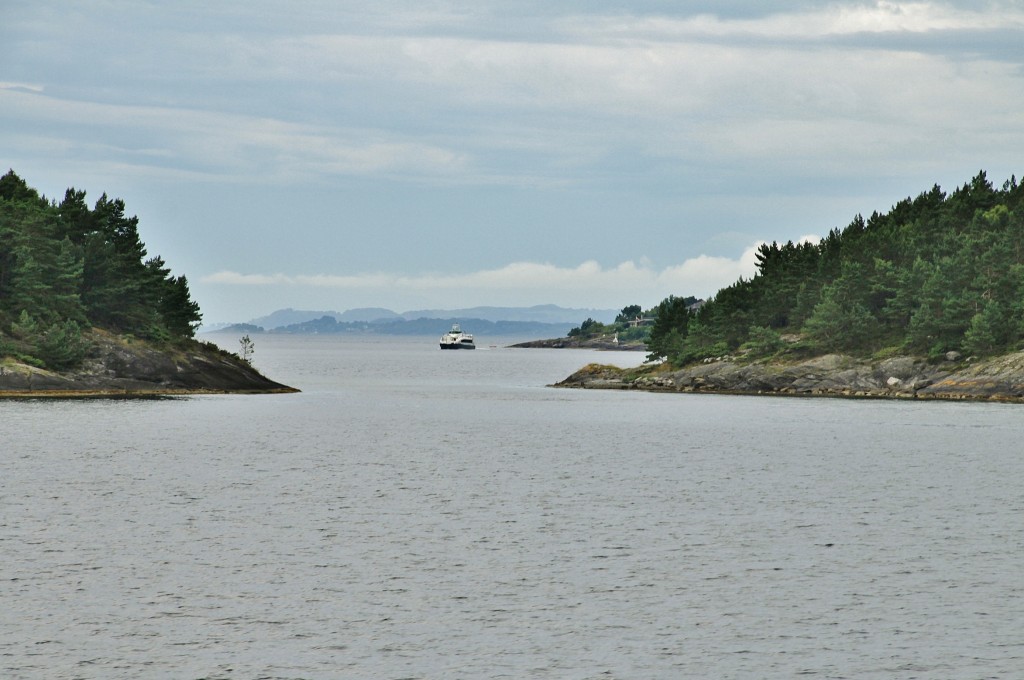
[[65, 268], [936, 274]]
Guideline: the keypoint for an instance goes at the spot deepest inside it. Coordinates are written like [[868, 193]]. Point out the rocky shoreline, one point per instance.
[[124, 366], [601, 343], [997, 379]]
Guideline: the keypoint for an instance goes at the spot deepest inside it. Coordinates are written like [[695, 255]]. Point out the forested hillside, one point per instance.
[[937, 273], [65, 268]]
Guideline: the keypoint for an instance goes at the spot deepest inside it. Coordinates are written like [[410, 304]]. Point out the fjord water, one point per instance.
[[415, 513]]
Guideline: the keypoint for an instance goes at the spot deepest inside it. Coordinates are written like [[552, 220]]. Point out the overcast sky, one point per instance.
[[334, 154]]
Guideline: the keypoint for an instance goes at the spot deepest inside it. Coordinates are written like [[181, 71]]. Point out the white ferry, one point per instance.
[[456, 339]]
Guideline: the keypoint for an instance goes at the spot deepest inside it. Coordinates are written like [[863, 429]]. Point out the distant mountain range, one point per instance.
[[549, 320], [540, 313]]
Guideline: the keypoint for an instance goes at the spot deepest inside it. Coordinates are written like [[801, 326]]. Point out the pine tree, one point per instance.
[[65, 267], [180, 314], [672, 314]]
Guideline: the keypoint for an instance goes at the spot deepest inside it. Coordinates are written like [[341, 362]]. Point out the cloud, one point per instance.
[[588, 284], [828, 20], [236, 279], [221, 144], [441, 95], [692, 87], [20, 86]]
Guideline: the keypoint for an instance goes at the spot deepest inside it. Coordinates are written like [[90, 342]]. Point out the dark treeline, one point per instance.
[[65, 268], [935, 274]]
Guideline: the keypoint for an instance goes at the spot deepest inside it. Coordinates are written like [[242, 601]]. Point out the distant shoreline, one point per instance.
[[591, 343]]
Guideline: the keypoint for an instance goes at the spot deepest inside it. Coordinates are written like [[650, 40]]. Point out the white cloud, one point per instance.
[[696, 273], [20, 86], [588, 284], [828, 20], [236, 279]]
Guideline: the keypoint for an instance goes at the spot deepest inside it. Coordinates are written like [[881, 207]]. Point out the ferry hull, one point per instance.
[[456, 339]]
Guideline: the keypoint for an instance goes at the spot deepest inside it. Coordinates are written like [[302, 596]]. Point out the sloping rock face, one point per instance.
[[999, 379], [120, 366]]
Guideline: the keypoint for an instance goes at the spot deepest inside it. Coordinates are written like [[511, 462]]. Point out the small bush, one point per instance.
[[763, 342]]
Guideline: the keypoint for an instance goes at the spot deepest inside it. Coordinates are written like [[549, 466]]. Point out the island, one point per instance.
[[85, 313], [925, 301]]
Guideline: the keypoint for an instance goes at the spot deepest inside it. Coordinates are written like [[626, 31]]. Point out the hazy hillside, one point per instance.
[[557, 316], [328, 325], [286, 317], [540, 313]]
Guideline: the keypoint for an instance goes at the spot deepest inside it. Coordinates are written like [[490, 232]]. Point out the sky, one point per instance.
[[333, 154]]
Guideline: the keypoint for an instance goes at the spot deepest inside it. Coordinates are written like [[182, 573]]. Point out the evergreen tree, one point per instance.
[[65, 299], [701, 342], [839, 323], [628, 313], [672, 314], [14, 189], [65, 267], [180, 314], [763, 341], [62, 345]]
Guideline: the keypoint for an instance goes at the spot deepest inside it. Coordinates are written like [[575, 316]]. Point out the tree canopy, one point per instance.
[[65, 267], [937, 273]]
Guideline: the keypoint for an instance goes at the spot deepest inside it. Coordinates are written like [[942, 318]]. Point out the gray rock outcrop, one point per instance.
[[125, 366], [997, 379]]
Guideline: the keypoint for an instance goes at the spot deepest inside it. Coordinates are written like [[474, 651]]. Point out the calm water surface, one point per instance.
[[415, 513]]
